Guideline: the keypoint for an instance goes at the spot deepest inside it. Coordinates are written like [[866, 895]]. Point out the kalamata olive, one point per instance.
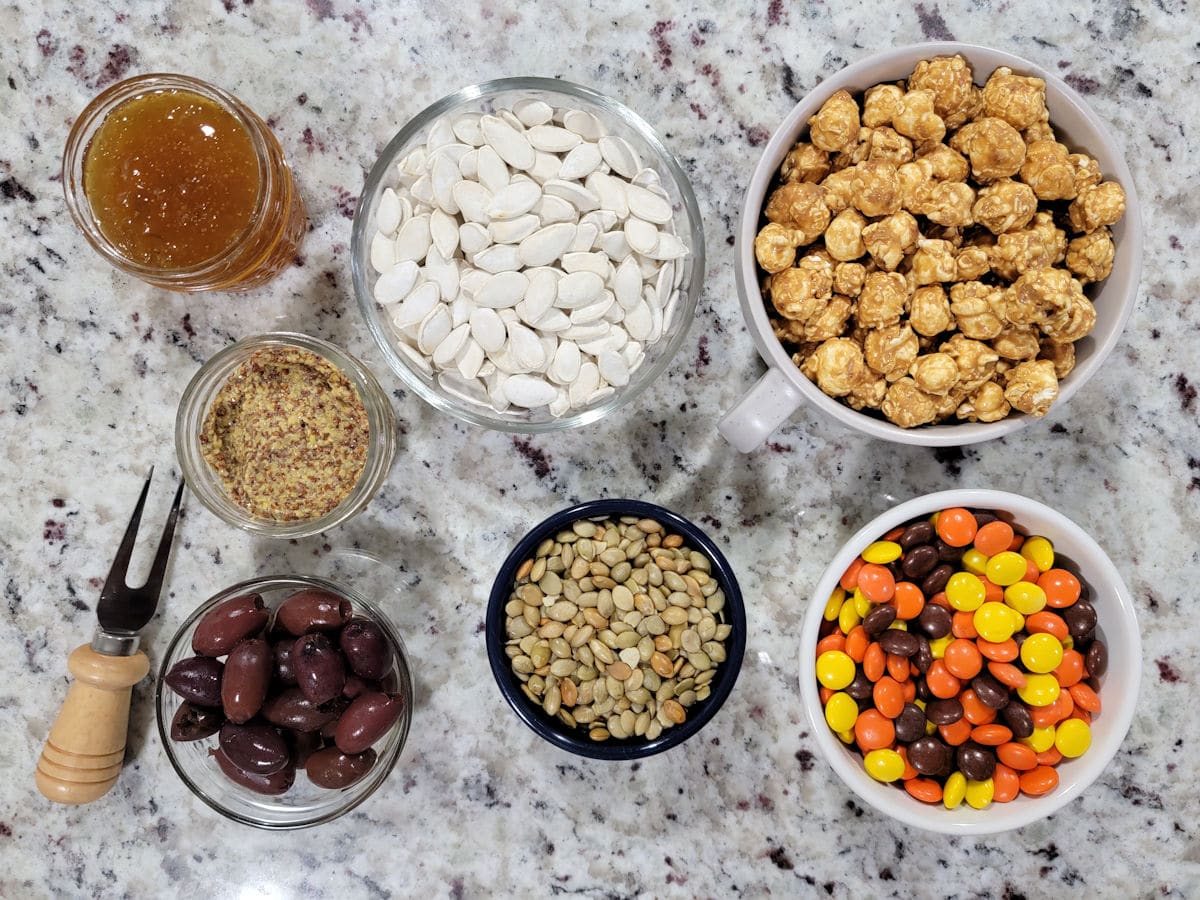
[[304, 744], [355, 686], [291, 709], [1080, 617], [285, 673], [366, 648], [320, 672], [331, 768], [1096, 659], [366, 721], [255, 747], [247, 677], [975, 761], [313, 610], [878, 619], [910, 724], [197, 679], [271, 784], [229, 622], [192, 723]]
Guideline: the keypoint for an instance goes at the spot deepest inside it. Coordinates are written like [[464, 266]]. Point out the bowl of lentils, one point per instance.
[[970, 662], [615, 629]]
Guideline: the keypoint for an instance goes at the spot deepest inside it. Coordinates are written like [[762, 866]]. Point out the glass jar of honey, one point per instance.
[[180, 184]]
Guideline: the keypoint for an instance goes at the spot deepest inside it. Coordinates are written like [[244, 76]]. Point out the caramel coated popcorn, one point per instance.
[[928, 243]]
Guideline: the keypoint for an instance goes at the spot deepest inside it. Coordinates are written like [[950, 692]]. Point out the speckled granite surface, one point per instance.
[[94, 364]]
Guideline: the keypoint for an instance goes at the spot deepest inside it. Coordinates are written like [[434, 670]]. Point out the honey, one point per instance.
[[180, 184], [172, 178]]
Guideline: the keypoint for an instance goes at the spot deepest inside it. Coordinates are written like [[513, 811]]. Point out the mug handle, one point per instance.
[[765, 407]]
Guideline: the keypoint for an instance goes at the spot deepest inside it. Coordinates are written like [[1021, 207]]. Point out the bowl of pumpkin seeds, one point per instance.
[[616, 629]]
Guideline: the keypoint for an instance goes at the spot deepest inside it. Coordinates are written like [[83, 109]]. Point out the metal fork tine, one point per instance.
[[159, 567], [120, 567]]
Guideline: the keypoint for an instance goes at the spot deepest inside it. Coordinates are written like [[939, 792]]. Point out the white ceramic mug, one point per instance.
[[782, 390]]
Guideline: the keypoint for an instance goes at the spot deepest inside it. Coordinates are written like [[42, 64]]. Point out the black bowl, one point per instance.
[[573, 739]]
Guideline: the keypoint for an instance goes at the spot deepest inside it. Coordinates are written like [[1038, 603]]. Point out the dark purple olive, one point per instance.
[[197, 679], [229, 622], [313, 610], [293, 710], [320, 672], [247, 677], [366, 648], [366, 721], [273, 784], [285, 672], [331, 768], [304, 744], [355, 686], [256, 747], [193, 723]]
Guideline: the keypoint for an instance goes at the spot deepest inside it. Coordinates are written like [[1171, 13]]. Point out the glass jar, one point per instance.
[[207, 485], [266, 245]]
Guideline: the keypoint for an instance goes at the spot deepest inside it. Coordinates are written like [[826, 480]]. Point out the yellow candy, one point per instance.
[[1017, 618], [1025, 597], [1042, 653], [884, 765], [848, 616], [1006, 568], [846, 737], [841, 711], [882, 552], [938, 646], [835, 669], [1041, 740], [930, 728], [979, 794], [834, 604], [1041, 551], [1073, 738], [974, 561], [899, 625], [994, 622], [954, 791], [862, 605], [965, 592], [1039, 690], [1068, 643]]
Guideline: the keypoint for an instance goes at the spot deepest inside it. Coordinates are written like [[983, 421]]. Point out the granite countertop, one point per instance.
[[95, 363]]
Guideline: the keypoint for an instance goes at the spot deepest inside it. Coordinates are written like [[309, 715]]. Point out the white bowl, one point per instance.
[[1117, 627], [784, 389]]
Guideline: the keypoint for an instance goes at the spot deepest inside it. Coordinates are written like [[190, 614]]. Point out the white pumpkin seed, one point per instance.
[[513, 231], [642, 236], [510, 144], [580, 162], [447, 350], [552, 210], [578, 289], [647, 205], [443, 230], [586, 262], [613, 368], [546, 244], [434, 329], [514, 200], [498, 258], [620, 155], [574, 193], [583, 124], [413, 241], [394, 284], [387, 215], [565, 367], [532, 112], [552, 139], [472, 200], [488, 329], [502, 290], [383, 252], [473, 237], [529, 392]]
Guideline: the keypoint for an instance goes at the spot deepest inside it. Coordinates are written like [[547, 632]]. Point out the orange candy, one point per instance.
[[1007, 674], [1049, 757], [1006, 784], [992, 592], [974, 711], [1070, 670], [874, 662], [1017, 541], [993, 538], [1031, 572], [991, 735], [956, 526], [909, 772], [955, 733], [941, 683], [877, 583], [849, 579], [1005, 651], [924, 789], [888, 696], [1017, 756], [908, 600], [872, 731], [963, 659], [856, 643], [897, 666], [1061, 587], [825, 693], [1085, 698], [962, 625], [1043, 622], [894, 534], [835, 640], [910, 691], [1041, 780]]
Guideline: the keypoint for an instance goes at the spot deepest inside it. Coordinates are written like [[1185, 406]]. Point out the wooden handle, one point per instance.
[[83, 755]]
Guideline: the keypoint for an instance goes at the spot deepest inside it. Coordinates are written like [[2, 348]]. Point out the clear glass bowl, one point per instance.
[[206, 485], [619, 120], [304, 804]]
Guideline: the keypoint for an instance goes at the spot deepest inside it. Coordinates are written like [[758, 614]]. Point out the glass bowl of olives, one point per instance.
[[284, 701]]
